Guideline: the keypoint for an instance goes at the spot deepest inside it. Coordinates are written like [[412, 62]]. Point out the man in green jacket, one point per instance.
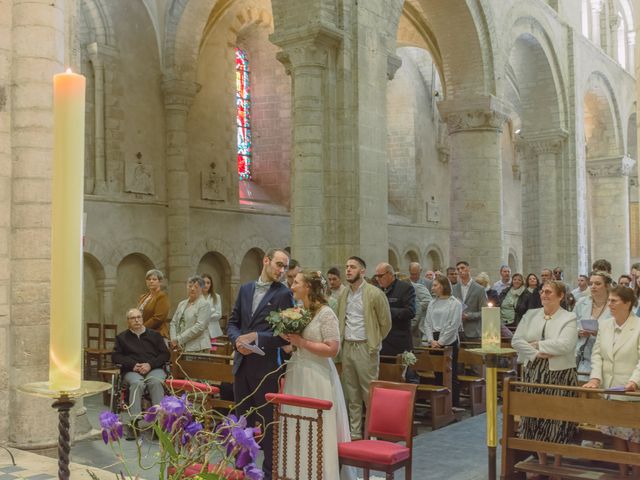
[[365, 320]]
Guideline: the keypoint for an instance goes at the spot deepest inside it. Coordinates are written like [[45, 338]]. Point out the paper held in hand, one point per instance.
[[253, 347], [589, 325]]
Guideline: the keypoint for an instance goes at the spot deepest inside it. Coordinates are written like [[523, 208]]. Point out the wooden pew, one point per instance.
[[577, 462], [215, 369], [429, 361], [473, 385]]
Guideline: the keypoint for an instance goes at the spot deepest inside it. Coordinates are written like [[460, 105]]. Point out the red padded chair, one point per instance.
[[389, 420], [194, 471], [180, 385]]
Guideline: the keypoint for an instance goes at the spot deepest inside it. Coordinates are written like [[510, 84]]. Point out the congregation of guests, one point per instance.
[[563, 335]]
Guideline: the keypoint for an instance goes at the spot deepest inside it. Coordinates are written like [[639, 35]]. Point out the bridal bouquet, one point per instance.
[[291, 320]]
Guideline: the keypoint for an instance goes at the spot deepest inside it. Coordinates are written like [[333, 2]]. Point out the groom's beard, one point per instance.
[[354, 280]]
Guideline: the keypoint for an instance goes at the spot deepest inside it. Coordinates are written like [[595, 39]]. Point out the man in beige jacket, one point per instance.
[[365, 320]]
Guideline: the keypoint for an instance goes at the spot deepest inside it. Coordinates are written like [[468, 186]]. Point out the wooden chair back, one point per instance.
[[391, 372], [109, 333], [94, 335], [435, 360]]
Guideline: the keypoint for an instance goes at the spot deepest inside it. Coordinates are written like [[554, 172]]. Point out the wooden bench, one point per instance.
[[577, 462], [429, 362], [215, 369], [473, 385]]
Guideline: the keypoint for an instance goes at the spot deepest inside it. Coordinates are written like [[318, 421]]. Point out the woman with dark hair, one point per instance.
[[545, 341], [213, 299], [509, 300], [312, 373], [441, 326], [531, 284], [588, 309], [615, 362], [154, 304]]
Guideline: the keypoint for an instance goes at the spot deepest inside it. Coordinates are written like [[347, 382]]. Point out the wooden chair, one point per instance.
[[216, 369], [430, 361], [389, 420], [281, 434], [473, 385], [95, 349]]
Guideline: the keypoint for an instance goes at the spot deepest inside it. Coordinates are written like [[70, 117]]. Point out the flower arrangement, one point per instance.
[[408, 359], [187, 449], [291, 320]]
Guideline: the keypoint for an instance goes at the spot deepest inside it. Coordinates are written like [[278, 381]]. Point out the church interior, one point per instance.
[[400, 131]]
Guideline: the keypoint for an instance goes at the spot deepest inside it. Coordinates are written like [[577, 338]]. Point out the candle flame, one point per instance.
[[68, 70], [489, 304]]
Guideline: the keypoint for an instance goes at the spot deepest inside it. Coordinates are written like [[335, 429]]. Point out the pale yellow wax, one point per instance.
[[490, 327], [65, 351]]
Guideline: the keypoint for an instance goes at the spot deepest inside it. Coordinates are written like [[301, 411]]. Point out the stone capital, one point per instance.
[[99, 53], [596, 6], [179, 94], [306, 47], [611, 167], [546, 142], [481, 113]]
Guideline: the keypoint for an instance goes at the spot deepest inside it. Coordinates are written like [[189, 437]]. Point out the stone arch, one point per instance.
[[393, 258], [411, 254], [602, 112], [100, 255], [97, 17], [251, 265], [217, 245], [93, 275], [140, 246], [216, 264], [434, 258], [130, 284], [456, 55], [252, 242]]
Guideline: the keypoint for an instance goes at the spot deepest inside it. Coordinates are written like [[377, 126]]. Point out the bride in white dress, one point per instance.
[[312, 373]]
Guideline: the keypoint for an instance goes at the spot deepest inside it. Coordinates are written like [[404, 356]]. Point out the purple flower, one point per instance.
[[173, 409], [252, 472], [111, 427], [151, 414], [239, 440], [190, 431]]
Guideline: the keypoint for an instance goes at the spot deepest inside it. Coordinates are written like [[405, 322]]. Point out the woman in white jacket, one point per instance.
[[546, 341], [210, 295], [615, 363]]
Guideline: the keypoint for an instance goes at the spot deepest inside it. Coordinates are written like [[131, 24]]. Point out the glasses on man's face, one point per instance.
[[137, 317], [546, 292], [282, 266], [380, 275]]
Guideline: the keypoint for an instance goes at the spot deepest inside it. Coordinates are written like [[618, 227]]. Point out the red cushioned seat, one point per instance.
[[374, 451], [191, 386]]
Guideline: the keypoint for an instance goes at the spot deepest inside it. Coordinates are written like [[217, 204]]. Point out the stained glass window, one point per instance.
[[243, 114]]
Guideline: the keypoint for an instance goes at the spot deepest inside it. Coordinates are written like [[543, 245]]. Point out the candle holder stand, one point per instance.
[[490, 357], [64, 400]]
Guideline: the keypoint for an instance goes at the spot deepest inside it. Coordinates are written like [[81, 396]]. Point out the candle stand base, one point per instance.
[[64, 401], [491, 356]]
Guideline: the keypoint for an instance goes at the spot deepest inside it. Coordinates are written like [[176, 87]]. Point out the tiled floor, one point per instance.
[[456, 452]]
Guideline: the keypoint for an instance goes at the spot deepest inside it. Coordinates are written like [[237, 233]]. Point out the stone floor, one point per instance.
[[456, 452]]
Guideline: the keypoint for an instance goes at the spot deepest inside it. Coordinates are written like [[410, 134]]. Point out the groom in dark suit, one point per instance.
[[248, 327]]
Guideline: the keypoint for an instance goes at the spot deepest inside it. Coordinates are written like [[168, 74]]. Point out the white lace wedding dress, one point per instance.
[[309, 375]]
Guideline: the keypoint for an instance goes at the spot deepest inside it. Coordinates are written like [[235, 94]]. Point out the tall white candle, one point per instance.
[[65, 351], [490, 328]]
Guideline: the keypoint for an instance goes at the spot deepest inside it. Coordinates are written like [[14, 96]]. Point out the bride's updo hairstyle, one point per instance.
[[317, 288]]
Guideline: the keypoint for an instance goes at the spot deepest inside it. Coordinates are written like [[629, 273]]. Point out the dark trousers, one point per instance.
[[455, 385], [245, 382]]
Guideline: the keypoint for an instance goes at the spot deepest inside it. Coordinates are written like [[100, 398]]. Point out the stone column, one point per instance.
[[477, 233], [5, 215], [33, 420], [106, 287], [544, 223], [178, 96], [97, 53], [596, 9], [307, 60], [609, 193]]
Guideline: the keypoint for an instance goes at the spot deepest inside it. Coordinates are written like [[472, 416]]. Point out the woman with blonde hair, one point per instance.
[[154, 304]]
